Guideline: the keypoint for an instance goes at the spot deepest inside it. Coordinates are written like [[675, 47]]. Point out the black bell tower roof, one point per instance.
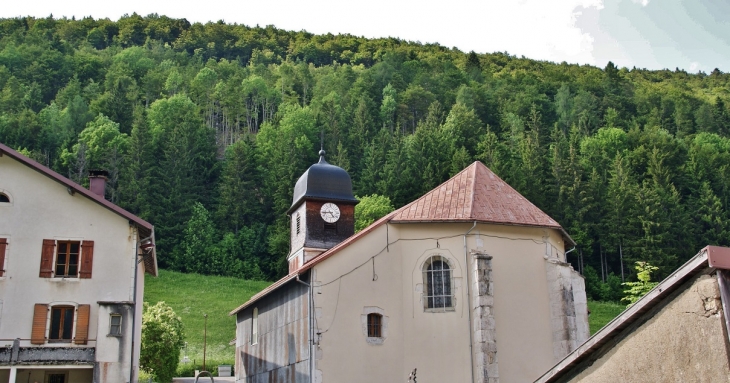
[[325, 182]]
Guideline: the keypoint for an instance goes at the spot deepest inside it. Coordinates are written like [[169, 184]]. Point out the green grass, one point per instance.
[[602, 313], [192, 296]]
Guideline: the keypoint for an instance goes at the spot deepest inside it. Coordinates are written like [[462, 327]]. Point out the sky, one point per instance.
[[693, 35]]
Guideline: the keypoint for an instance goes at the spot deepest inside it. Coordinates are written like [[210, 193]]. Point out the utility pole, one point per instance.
[[205, 338]]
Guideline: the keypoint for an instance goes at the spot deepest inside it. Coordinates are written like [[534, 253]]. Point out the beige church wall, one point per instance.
[[43, 209], [521, 297], [683, 341], [437, 343], [340, 303]]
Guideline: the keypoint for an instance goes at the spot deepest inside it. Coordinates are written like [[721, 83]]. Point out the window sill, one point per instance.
[[63, 279], [113, 336], [440, 310], [57, 341], [375, 340]]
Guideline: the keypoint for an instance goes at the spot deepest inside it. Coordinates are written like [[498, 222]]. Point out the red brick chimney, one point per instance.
[[97, 181]]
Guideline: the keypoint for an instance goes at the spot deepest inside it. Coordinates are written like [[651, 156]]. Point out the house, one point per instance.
[[468, 283], [678, 332], [72, 270]]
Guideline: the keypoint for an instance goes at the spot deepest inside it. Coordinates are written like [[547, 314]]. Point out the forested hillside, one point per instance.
[[205, 128]]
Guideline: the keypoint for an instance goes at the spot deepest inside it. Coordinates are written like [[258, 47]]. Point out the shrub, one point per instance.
[[162, 338]]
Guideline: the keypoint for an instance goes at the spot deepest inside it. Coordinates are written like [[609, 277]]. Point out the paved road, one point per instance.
[[203, 379]]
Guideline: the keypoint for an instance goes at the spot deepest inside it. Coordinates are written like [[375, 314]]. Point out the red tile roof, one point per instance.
[[145, 228], [475, 194]]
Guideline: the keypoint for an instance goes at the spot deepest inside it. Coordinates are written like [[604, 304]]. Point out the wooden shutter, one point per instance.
[[49, 248], [87, 259], [38, 333], [82, 324], [3, 246]]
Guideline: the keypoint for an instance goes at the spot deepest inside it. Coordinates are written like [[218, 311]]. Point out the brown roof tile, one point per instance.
[[475, 194]]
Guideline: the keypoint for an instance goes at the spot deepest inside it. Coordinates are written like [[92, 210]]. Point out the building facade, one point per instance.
[[678, 332], [468, 283], [72, 270]]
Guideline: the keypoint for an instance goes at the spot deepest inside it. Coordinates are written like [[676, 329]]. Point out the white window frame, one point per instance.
[[428, 280], [112, 325]]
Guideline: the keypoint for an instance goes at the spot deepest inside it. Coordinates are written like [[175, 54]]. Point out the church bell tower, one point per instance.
[[322, 212]]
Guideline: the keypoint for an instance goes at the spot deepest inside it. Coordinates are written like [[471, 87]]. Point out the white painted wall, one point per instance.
[[437, 344], [41, 208]]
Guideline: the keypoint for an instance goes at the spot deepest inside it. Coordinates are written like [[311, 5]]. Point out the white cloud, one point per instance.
[[643, 3], [694, 66], [537, 29]]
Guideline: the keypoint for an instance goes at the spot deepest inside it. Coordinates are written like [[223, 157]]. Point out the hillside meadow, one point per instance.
[[194, 295]]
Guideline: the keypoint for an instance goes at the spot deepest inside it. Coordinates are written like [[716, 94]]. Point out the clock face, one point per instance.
[[330, 212]]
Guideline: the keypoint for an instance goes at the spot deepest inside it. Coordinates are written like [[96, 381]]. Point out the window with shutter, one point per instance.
[[38, 332], [3, 246], [62, 320], [82, 324], [67, 259]]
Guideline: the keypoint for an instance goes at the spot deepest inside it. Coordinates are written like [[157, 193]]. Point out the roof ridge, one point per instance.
[[473, 166]]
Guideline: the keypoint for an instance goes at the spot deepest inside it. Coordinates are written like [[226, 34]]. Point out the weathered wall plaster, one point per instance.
[[683, 341]]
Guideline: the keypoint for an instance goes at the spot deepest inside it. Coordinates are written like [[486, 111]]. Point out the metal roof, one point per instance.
[[145, 228], [475, 194], [323, 181]]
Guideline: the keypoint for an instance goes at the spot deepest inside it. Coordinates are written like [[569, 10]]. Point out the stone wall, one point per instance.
[[483, 324], [568, 307]]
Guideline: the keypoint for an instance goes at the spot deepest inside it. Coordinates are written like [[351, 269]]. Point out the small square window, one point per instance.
[[115, 325], [375, 325]]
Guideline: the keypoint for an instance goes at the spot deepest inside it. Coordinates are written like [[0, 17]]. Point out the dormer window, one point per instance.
[[4, 198]]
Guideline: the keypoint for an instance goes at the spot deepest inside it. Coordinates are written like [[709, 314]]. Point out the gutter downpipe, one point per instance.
[[468, 299], [134, 303], [310, 298], [566, 253]]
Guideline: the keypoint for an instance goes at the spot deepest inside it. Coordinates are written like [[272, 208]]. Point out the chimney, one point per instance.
[[97, 182]]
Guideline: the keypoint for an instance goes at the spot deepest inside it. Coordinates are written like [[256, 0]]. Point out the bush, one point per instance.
[[162, 338], [597, 290]]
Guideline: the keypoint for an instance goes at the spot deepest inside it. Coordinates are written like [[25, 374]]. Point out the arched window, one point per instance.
[[4, 198], [437, 281], [375, 325]]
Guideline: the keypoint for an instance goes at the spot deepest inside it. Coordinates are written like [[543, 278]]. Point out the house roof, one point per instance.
[[145, 228], [709, 258], [475, 194]]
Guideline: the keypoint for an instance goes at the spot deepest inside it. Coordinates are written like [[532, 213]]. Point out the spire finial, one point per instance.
[[321, 156]]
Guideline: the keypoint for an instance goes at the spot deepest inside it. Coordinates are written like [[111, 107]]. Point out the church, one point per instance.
[[468, 283]]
